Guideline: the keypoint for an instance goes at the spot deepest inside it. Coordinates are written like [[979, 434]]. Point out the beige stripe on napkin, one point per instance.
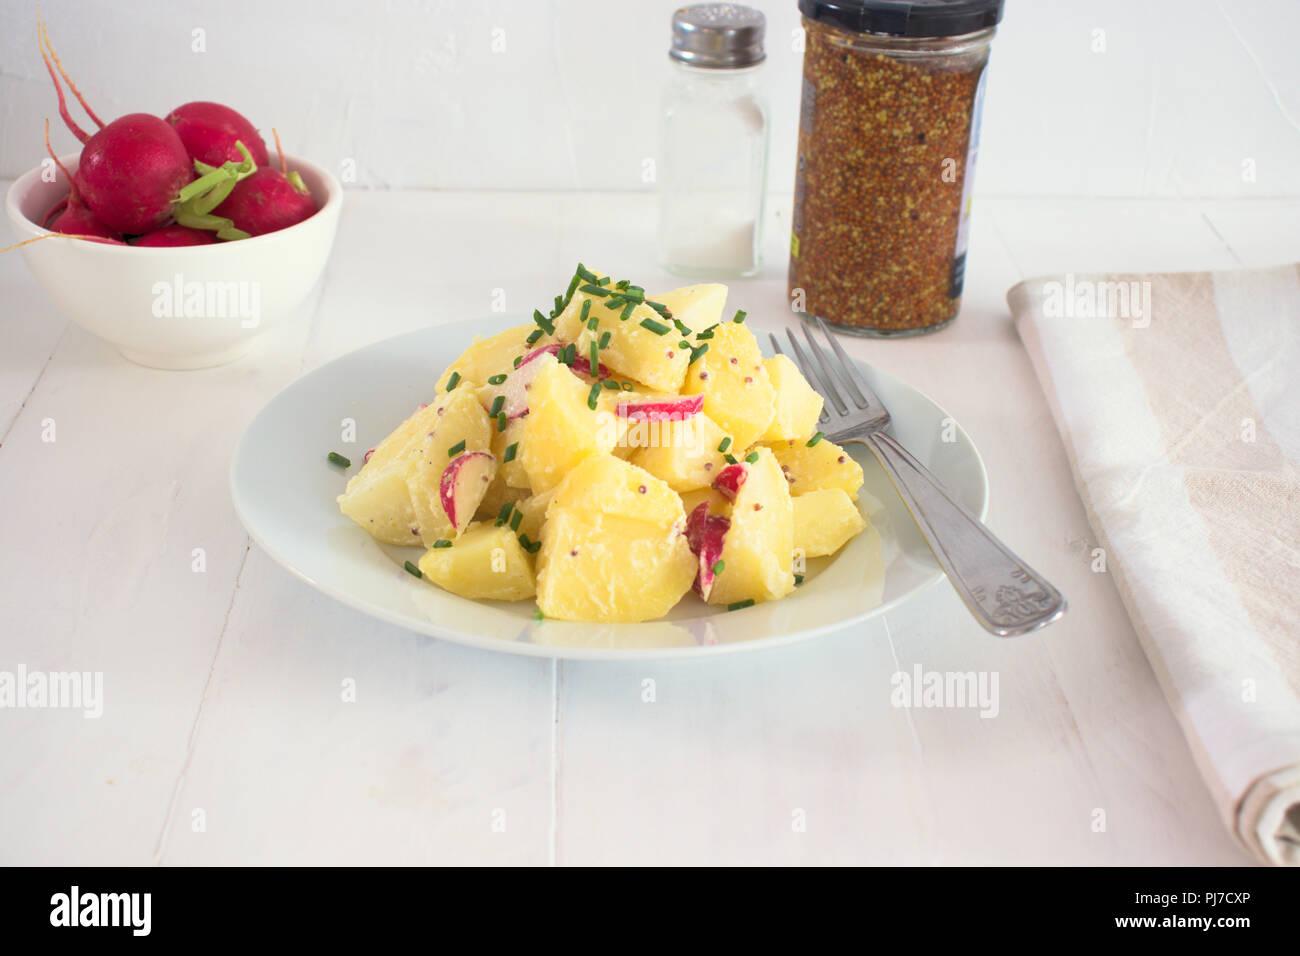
[[1179, 405]]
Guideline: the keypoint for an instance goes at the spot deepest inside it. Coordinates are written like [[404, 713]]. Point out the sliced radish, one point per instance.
[[581, 364], [663, 410], [730, 479], [704, 535], [464, 482], [515, 388]]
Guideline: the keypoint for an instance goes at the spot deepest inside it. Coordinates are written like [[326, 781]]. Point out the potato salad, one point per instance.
[[611, 458]]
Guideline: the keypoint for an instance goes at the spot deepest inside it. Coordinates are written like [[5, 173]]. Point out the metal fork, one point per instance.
[[1003, 593]]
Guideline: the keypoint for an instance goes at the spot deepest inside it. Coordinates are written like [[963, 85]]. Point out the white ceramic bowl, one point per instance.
[[229, 293]]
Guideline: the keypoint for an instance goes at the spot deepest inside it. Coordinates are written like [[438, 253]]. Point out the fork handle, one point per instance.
[[1006, 595]]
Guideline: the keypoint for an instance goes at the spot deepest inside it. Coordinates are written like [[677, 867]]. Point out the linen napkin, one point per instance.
[[1178, 399]]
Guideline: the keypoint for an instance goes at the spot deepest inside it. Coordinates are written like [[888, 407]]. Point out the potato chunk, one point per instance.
[[395, 495], [612, 546], [824, 465], [797, 406], [683, 453], [696, 306], [486, 563], [490, 356], [758, 548], [737, 392], [824, 521], [560, 430]]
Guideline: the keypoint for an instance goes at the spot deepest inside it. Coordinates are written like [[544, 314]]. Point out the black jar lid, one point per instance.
[[906, 18]]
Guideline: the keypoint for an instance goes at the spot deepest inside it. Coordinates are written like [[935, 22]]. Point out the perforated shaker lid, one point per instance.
[[718, 35]]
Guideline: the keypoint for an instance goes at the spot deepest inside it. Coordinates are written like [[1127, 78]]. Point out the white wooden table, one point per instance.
[[225, 737]]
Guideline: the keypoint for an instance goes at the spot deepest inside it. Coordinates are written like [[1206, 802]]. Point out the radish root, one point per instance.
[[45, 31], [68, 121]]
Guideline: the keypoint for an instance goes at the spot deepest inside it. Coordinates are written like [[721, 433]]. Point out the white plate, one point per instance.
[[284, 491]]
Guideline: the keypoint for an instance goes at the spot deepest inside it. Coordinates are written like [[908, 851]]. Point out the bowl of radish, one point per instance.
[[178, 239]]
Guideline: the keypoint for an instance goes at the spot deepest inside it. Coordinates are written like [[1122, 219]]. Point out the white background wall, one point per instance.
[[1171, 98]]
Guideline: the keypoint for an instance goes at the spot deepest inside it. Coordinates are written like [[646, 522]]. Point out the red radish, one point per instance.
[[70, 216], [704, 536], [515, 388], [464, 482], [267, 201], [210, 130], [670, 410], [581, 364], [175, 235], [53, 212], [81, 222], [132, 171], [730, 479]]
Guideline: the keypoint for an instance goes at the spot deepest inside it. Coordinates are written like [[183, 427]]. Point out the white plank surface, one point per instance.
[[224, 688]]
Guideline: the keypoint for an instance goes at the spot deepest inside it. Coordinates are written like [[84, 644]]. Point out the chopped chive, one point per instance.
[[497, 404], [604, 339], [593, 395], [707, 333], [730, 459], [442, 543], [534, 547], [626, 386], [740, 315], [456, 449], [585, 274], [538, 615], [525, 542], [628, 308], [681, 326], [557, 305], [545, 324], [593, 323], [501, 421], [724, 444], [586, 309], [621, 284], [504, 514], [683, 344], [336, 459], [798, 580], [412, 569], [697, 352], [737, 605], [718, 566], [533, 336], [573, 284], [658, 328], [511, 450], [593, 290], [519, 358], [594, 357], [453, 381], [752, 457], [660, 308], [815, 439], [603, 282], [611, 385], [497, 379], [515, 519]]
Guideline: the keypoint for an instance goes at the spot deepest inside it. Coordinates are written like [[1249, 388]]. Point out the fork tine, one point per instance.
[[830, 394], [824, 364], [850, 374]]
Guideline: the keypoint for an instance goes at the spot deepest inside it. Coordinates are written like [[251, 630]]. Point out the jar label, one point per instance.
[[967, 187]]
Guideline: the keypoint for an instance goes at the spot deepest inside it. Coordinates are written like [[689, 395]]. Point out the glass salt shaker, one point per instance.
[[713, 142]]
